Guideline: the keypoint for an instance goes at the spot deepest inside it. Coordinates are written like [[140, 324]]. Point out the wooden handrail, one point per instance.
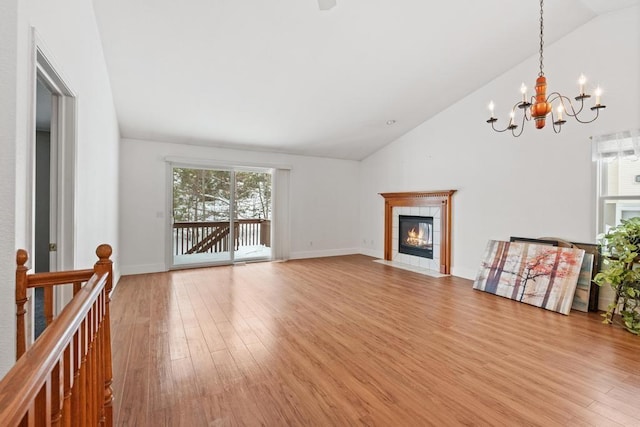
[[22, 384], [41, 280], [66, 376], [45, 280], [197, 224]]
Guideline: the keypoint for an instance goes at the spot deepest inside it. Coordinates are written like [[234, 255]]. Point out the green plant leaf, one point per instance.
[[620, 250]]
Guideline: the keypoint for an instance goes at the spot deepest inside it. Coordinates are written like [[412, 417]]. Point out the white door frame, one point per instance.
[[63, 162], [170, 260]]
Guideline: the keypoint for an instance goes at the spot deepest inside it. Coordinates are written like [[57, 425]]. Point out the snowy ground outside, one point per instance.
[[243, 253]]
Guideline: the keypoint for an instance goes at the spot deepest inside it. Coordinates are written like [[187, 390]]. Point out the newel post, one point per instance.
[[21, 300], [105, 265]]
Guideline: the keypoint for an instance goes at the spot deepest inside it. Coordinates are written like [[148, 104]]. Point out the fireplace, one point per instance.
[[428, 203], [415, 235]]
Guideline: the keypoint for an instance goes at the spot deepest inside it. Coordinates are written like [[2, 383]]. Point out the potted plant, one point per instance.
[[620, 252]]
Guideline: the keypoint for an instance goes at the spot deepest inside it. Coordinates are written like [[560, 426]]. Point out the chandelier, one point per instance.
[[539, 106]]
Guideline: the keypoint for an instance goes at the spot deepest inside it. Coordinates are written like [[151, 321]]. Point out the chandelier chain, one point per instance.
[[541, 73]]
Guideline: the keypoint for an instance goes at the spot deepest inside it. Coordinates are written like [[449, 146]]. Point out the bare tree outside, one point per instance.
[[201, 195], [202, 211], [204, 195]]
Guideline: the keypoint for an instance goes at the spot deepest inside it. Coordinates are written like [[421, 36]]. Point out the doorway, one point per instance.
[[52, 189], [220, 216], [45, 218]]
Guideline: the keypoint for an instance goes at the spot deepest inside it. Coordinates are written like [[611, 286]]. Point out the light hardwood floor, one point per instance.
[[346, 341]]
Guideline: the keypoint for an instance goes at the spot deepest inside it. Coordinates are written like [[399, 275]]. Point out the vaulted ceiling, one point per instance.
[[284, 76]]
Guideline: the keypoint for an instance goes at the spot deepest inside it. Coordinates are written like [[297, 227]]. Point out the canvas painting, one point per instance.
[[540, 275], [583, 289], [594, 250]]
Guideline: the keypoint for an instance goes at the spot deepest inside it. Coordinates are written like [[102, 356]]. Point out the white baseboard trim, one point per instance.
[[127, 270], [372, 253], [465, 273], [116, 278], [415, 269], [324, 253]]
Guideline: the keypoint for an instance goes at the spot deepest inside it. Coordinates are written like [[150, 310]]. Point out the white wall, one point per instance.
[[537, 185], [8, 129], [324, 200], [70, 36]]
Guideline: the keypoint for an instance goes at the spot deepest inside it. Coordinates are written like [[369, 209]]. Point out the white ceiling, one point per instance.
[[281, 75]]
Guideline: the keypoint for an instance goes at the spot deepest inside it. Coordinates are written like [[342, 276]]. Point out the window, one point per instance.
[[618, 167]]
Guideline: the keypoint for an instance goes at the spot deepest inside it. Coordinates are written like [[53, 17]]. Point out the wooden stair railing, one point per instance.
[[65, 377], [213, 236], [210, 240]]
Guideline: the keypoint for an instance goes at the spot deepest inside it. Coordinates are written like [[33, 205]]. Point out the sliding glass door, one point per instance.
[[220, 216], [252, 221]]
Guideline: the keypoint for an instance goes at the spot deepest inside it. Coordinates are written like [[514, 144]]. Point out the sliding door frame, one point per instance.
[[233, 168]]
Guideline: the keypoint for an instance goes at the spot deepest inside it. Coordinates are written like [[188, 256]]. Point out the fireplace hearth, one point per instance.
[[415, 235]]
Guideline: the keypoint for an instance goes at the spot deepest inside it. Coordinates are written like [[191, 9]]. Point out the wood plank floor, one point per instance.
[[346, 341]]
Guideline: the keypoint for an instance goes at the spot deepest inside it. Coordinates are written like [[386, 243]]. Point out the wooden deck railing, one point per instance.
[[213, 236], [65, 377]]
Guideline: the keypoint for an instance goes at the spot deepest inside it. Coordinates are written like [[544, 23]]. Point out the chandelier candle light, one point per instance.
[[541, 105]]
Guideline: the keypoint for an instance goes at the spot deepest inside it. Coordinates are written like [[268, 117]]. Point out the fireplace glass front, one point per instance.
[[415, 235]]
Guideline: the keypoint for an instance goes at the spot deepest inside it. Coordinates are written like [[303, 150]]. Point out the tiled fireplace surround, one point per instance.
[[436, 204]]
